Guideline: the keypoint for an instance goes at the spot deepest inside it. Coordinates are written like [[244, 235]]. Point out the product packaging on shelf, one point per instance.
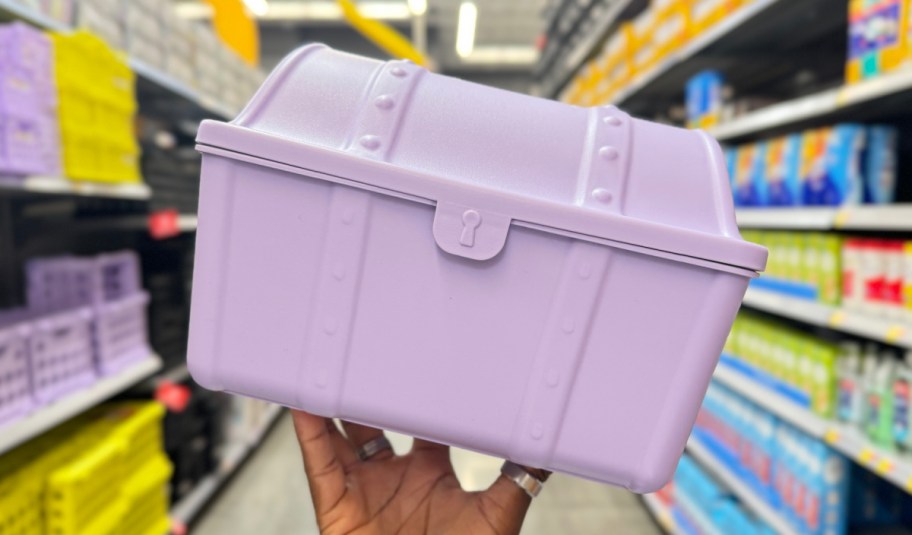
[[902, 403], [878, 37], [704, 100], [748, 186], [880, 164], [831, 165], [782, 170]]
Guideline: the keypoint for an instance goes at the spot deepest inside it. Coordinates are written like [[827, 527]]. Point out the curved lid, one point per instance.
[[393, 125]]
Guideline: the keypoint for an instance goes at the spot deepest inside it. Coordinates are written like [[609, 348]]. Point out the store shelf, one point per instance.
[[829, 105], [836, 318], [607, 22], [185, 511], [696, 515], [892, 466], [63, 409], [187, 223], [151, 80], [896, 217], [660, 512], [62, 186], [744, 493]]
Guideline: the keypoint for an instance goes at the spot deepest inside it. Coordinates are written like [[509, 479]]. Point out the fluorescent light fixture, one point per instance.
[[257, 7], [465, 31], [516, 56], [316, 11], [417, 7]]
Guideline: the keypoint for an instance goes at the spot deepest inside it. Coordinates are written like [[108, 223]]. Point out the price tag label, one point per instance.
[[841, 218], [173, 396], [837, 318], [894, 333], [164, 224], [884, 467], [866, 455], [831, 436]]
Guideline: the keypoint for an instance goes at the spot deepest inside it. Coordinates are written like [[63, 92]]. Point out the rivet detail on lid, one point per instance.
[[603, 173], [563, 341], [377, 124], [333, 305]]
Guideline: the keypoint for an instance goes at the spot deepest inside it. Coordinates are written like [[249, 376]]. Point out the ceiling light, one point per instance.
[[417, 7], [257, 7], [465, 31]]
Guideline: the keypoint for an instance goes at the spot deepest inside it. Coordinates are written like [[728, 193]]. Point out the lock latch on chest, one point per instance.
[[470, 232]]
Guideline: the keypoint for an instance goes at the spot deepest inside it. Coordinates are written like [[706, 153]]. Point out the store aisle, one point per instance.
[[270, 497]]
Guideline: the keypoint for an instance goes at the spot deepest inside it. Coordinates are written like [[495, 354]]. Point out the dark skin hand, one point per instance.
[[417, 493]]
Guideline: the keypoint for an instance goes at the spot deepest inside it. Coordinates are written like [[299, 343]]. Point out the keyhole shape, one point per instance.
[[470, 221]]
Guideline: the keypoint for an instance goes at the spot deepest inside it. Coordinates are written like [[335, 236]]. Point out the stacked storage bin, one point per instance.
[[193, 438], [180, 49], [145, 30], [102, 473], [173, 175], [97, 105], [209, 70], [29, 141], [103, 18], [109, 284]]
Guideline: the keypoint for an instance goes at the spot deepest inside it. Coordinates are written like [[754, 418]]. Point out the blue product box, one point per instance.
[[748, 181], [782, 171], [831, 165], [880, 164]]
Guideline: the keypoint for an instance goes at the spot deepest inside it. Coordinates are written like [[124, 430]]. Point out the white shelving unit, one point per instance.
[[892, 466], [14, 10], [812, 106], [744, 493], [62, 186], [836, 318], [185, 511], [63, 409], [661, 513], [895, 217]]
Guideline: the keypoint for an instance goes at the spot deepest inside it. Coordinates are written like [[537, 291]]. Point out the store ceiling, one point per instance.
[[504, 38]]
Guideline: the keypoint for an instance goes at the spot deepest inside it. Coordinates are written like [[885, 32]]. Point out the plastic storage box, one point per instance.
[[475, 267]]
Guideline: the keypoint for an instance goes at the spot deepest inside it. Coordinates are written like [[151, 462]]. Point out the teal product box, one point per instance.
[[782, 170], [880, 164]]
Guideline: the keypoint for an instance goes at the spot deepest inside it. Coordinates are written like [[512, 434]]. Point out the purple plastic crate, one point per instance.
[[541, 282], [59, 283], [120, 333], [21, 145], [62, 353], [15, 388], [26, 66]]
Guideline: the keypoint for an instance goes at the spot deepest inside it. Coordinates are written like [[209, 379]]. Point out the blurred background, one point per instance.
[[805, 429]]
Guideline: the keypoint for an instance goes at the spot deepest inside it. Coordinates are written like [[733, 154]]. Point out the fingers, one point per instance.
[[505, 503], [324, 468], [360, 435], [432, 448]]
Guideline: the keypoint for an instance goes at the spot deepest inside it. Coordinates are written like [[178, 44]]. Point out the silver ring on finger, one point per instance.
[[373, 447], [523, 479]]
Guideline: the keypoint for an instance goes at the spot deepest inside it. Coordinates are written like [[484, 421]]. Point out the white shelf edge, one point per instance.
[[187, 223], [695, 46], [893, 217], [744, 493], [32, 16], [60, 185], [661, 513], [836, 318], [49, 416], [813, 105], [893, 467], [185, 511]]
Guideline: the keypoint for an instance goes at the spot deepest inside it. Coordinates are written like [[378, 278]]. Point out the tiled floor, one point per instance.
[[270, 497]]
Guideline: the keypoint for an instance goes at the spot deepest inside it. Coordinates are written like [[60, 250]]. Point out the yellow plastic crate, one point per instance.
[[147, 498], [20, 505], [138, 425], [84, 495]]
